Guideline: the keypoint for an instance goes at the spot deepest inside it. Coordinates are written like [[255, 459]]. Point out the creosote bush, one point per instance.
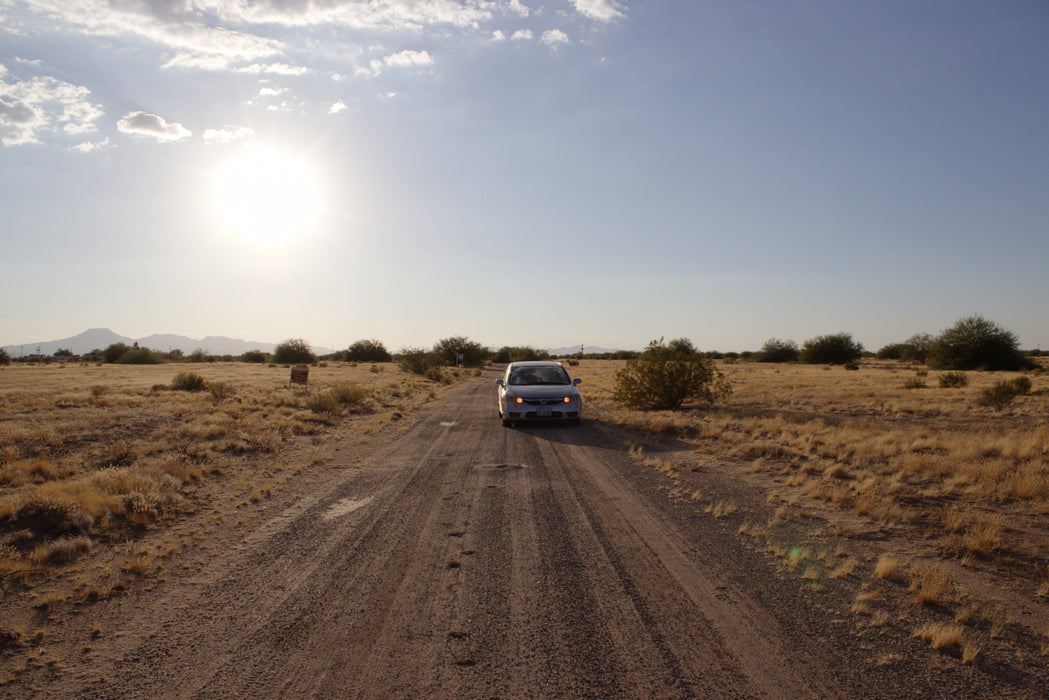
[[1003, 393], [665, 379], [776, 350]]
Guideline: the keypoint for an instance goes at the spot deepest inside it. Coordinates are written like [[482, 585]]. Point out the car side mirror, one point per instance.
[[499, 382], [576, 381]]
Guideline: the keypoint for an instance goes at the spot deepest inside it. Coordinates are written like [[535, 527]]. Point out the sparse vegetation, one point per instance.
[[188, 381], [367, 351]]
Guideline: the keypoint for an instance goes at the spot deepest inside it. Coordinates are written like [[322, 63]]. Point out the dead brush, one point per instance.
[[931, 584]]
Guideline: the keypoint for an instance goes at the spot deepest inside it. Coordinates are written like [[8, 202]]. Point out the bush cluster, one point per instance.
[[976, 343], [294, 351], [836, 349], [1003, 393], [519, 353], [366, 351], [665, 378], [5, 359], [188, 381], [776, 350]]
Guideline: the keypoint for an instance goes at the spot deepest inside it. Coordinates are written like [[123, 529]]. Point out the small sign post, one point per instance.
[[300, 375], [458, 358]]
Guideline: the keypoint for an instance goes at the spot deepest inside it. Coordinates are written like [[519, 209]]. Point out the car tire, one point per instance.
[[507, 423]]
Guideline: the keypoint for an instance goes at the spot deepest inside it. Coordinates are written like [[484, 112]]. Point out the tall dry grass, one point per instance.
[[92, 454]]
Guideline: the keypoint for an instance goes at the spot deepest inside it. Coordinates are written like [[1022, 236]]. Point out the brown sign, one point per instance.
[[299, 375]]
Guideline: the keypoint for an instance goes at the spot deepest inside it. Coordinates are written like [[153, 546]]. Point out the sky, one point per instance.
[[523, 172]]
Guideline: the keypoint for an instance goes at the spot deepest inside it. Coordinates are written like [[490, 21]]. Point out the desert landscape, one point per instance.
[[873, 533]]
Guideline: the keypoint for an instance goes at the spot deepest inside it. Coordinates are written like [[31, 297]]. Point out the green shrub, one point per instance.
[[776, 350], [188, 381], [851, 365], [836, 349], [417, 360], [256, 356], [915, 383], [1000, 395], [976, 343], [511, 353], [294, 351], [1022, 385], [140, 356], [5, 359], [953, 380], [367, 351], [664, 379], [474, 354], [113, 353]]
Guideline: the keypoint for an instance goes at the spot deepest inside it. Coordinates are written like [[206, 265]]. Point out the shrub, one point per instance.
[[836, 349], [953, 380], [417, 360], [188, 381], [474, 354], [509, 353], [5, 359], [682, 345], [140, 356], [776, 350], [976, 343], [349, 394], [1000, 395], [324, 403], [916, 348], [915, 383], [893, 351], [367, 351], [256, 356], [111, 354], [221, 390], [851, 365], [1022, 385], [663, 379], [294, 351], [198, 355]]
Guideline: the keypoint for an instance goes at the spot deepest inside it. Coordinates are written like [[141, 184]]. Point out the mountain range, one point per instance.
[[101, 338]]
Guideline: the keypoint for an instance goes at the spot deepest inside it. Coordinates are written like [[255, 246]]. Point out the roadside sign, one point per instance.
[[299, 375]]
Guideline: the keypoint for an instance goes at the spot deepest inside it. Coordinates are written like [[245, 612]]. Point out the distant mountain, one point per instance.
[[101, 338], [573, 349]]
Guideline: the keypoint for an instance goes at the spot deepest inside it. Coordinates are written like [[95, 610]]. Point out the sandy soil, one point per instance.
[[453, 558]]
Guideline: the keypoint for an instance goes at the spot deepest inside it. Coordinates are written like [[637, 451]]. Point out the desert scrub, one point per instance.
[[666, 378], [953, 380], [188, 381]]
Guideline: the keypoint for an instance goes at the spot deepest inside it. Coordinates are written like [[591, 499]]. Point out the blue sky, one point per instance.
[[598, 172]]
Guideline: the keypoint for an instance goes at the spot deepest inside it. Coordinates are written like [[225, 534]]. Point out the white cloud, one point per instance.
[[33, 108], [337, 106], [89, 146], [271, 92], [498, 35], [152, 126], [600, 10], [228, 133], [554, 38], [274, 69], [408, 58], [518, 8], [522, 35]]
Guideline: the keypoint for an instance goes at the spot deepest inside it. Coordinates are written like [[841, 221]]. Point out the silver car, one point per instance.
[[538, 391]]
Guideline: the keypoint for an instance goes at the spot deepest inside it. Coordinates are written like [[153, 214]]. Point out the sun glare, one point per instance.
[[267, 195]]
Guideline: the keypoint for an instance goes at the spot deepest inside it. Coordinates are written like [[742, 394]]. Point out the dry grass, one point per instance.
[[93, 454]]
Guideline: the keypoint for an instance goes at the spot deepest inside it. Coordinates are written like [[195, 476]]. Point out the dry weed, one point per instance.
[[930, 584]]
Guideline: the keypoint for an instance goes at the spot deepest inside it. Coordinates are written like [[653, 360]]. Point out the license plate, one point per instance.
[[543, 412]]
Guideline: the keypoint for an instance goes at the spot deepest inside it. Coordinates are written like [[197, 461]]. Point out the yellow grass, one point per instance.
[[89, 450]]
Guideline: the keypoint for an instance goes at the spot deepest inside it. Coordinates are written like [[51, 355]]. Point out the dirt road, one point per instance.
[[465, 560]]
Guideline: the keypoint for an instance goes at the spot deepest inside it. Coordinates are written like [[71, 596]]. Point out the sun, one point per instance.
[[267, 195]]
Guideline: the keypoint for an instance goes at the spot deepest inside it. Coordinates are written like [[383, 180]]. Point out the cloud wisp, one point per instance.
[[146, 125]]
